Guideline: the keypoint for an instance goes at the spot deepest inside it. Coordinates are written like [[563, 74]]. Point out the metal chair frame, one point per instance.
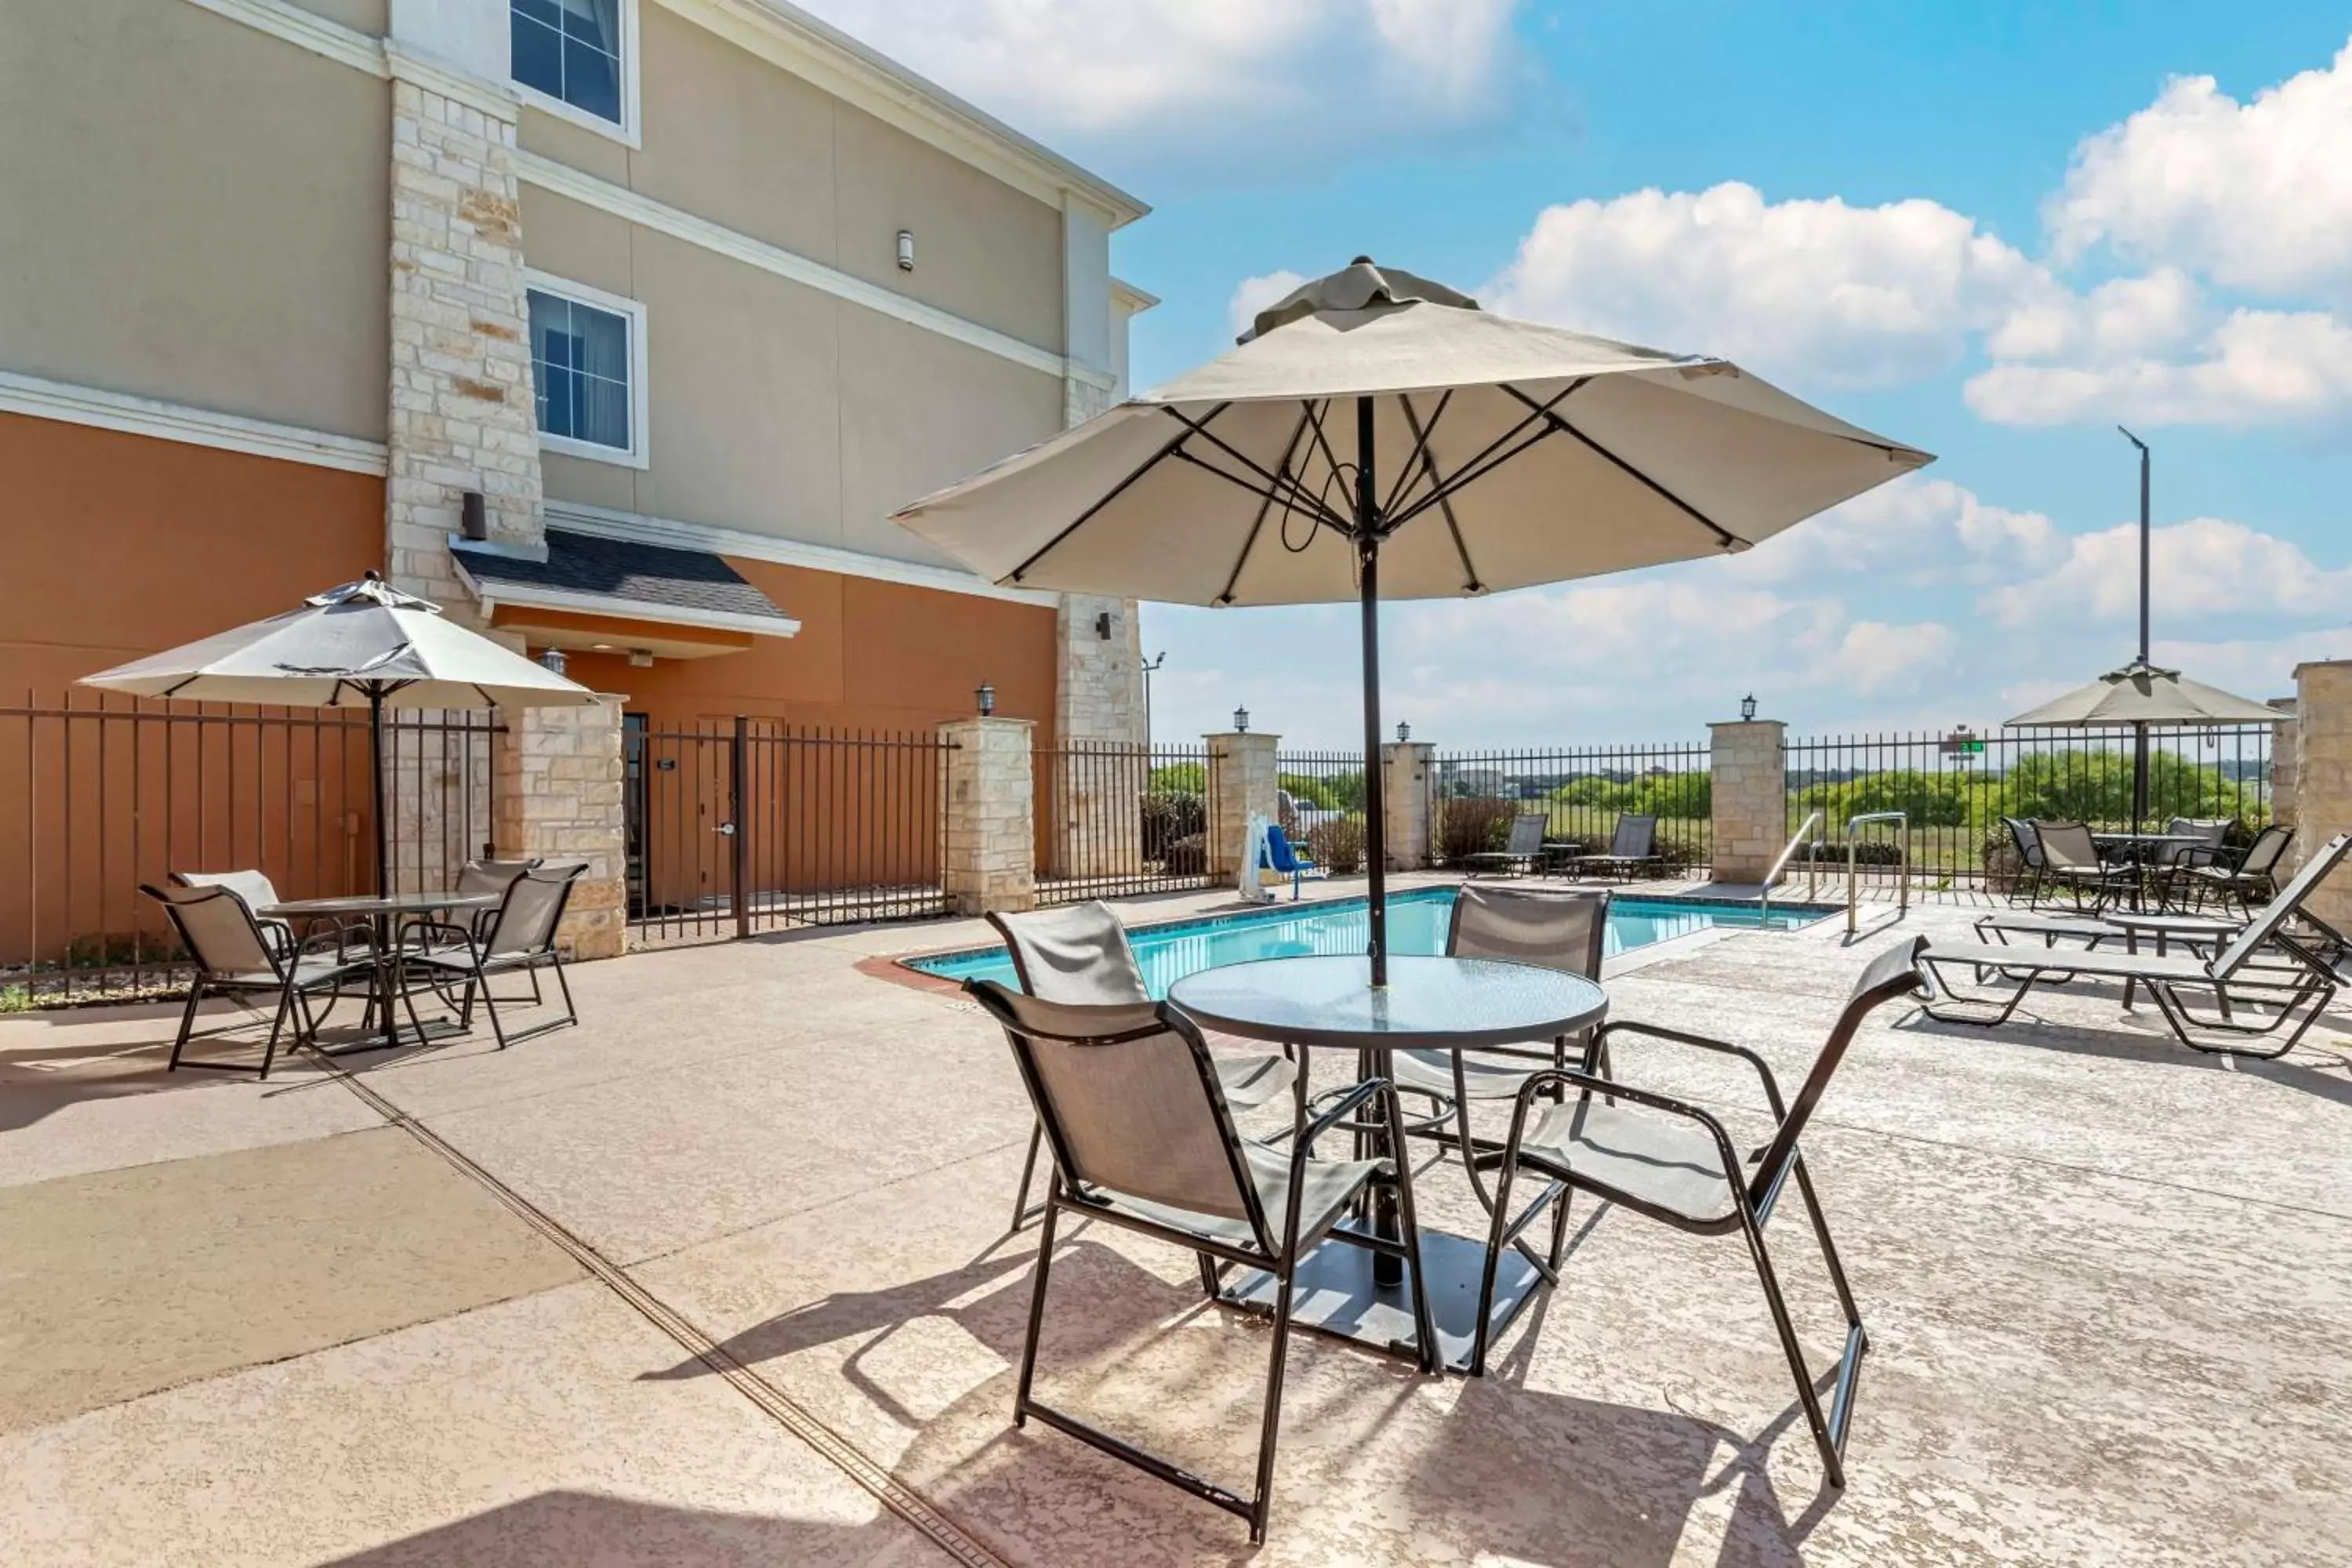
[[1622, 860], [478, 963], [1124, 1023], [284, 979], [2106, 879], [1893, 973]]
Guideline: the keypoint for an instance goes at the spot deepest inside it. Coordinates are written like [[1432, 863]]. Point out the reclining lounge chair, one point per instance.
[[1633, 848]]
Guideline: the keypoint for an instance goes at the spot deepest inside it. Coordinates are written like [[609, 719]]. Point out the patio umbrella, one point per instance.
[[364, 644], [1379, 434], [2132, 698]]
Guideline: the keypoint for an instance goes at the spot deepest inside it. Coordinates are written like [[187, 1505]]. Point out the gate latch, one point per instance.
[[726, 828]]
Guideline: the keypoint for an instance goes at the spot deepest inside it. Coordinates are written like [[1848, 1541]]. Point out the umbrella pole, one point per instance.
[[1368, 571], [375, 778]]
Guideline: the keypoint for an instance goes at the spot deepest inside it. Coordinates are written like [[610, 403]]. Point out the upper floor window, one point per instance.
[[587, 371], [574, 51]]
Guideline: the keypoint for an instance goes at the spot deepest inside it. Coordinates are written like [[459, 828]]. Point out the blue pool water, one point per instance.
[[1417, 923]]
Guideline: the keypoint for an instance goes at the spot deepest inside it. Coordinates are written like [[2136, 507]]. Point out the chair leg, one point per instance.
[[490, 1006], [1826, 1441], [1271, 1427], [1036, 1303], [1028, 1174], [277, 1027], [555, 961], [187, 1022]]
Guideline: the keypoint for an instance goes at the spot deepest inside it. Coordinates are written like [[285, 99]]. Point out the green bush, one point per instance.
[[1181, 778], [1169, 817], [1688, 796], [1336, 844], [1474, 827], [1324, 792]]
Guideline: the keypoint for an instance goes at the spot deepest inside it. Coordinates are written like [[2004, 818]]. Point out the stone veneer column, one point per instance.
[[2322, 781], [2286, 744], [989, 847], [1748, 769], [461, 415], [1241, 780], [1405, 769], [558, 797]]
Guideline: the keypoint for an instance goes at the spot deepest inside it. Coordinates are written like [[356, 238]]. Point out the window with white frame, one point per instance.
[[587, 371], [575, 52]]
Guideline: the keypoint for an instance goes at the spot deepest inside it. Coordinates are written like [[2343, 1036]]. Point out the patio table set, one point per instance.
[[2178, 869]]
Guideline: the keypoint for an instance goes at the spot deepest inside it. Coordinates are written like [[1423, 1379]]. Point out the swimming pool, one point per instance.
[[1417, 921]]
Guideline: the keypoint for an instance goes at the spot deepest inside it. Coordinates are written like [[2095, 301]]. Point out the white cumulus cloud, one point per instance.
[[1252, 295], [2256, 367], [2205, 567]]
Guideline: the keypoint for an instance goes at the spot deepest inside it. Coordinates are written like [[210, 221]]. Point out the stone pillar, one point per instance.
[[2323, 783], [1748, 770], [1405, 782], [559, 787], [1241, 780], [461, 416], [2286, 737], [1100, 771], [987, 794]]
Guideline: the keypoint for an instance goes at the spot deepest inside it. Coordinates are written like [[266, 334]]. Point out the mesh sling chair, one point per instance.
[[1142, 1138], [1080, 954], [1633, 846], [1521, 850], [519, 936], [2263, 980], [2070, 860], [1675, 1163], [2029, 860], [235, 957], [1556, 929], [2226, 875]]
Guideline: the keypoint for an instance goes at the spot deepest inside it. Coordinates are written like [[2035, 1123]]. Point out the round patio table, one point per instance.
[[384, 910], [2140, 850], [1442, 1003]]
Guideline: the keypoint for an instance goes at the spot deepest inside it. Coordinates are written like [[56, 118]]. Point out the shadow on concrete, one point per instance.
[[570, 1529]]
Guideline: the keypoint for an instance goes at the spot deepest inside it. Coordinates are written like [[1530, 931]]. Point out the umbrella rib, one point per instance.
[[1293, 500], [1324, 513], [1330, 460], [1478, 468], [1112, 494], [1415, 460], [1233, 578], [1724, 536], [1470, 583]]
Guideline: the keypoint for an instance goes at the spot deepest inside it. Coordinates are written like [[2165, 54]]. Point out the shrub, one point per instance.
[[1474, 827], [1336, 844], [1181, 778], [1169, 817], [1187, 857]]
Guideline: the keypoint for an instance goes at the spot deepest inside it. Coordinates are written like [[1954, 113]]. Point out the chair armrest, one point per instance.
[[341, 939], [445, 927], [1351, 1099], [1723, 1047], [2209, 855], [1594, 1083]]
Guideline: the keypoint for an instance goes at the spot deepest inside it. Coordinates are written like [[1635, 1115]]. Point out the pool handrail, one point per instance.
[[1807, 829], [1853, 825]]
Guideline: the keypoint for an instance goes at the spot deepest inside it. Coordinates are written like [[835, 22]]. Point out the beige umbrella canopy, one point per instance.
[[2142, 694], [1379, 434], [363, 644]]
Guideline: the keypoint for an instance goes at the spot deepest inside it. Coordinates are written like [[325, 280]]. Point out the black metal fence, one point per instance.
[[1116, 819], [1320, 798], [99, 793], [1954, 788], [1579, 791], [735, 827]]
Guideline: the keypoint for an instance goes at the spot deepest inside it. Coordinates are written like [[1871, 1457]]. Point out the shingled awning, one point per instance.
[[590, 575]]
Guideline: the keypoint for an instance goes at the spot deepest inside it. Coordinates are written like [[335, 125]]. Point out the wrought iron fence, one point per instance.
[[1954, 788], [1580, 792], [734, 827], [1116, 819], [1320, 798], [99, 793]]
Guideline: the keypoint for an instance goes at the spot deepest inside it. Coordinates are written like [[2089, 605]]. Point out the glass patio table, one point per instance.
[[385, 911], [1442, 1003]]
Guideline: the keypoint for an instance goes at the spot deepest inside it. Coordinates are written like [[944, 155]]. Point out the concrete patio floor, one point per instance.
[[722, 1276]]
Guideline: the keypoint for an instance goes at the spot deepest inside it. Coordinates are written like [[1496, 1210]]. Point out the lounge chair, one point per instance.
[[2070, 860], [2028, 859], [2227, 875], [1520, 852], [1633, 848], [1658, 1156], [236, 957], [519, 936], [2290, 978], [1143, 1139], [1285, 861], [1079, 955]]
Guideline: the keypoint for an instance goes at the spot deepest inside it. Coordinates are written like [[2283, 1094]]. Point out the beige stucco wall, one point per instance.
[[194, 211], [369, 16], [776, 408]]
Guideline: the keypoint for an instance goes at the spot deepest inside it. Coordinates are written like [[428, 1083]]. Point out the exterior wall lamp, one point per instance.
[[906, 250], [1241, 721], [552, 660], [986, 695], [1747, 708]]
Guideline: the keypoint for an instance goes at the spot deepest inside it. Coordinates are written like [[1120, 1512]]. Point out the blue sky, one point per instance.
[[1992, 231]]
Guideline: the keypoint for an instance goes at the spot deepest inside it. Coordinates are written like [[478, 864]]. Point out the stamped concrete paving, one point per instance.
[[2105, 1282]]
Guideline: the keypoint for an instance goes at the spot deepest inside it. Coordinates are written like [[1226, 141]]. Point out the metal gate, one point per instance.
[[736, 828]]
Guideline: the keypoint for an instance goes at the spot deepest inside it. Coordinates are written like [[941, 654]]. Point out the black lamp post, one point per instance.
[[1747, 708], [1150, 667], [1241, 721], [987, 698]]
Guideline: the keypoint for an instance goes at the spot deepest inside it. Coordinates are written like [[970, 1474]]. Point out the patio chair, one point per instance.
[[2070, 860], [2226, 875], [1632, 846], [1523, 850], [490, 877], [1673, 1163], [258, 893], [2289, 978], [1079, 955], [2166, 861], [520, 937], [235, 957], [1285, 861], [2029, 858], [1143, 1139]]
